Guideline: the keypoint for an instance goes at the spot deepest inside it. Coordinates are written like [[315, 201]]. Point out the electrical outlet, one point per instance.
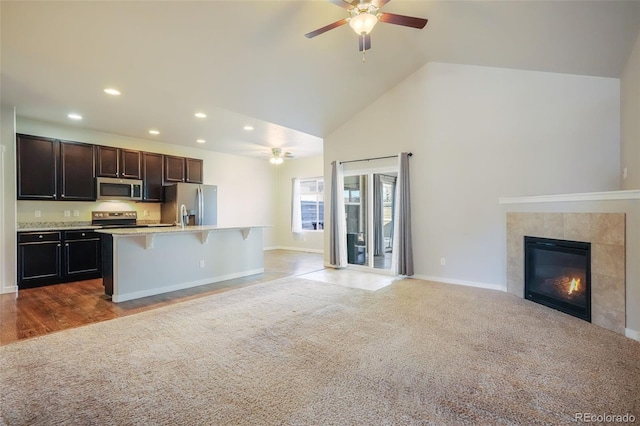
[[38, 213], [67, 213], [624, 173], [202, 263], [145, 213], [76, 213], [443, 261]]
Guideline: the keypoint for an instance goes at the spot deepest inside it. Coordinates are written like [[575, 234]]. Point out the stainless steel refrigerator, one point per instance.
[[201, 202]]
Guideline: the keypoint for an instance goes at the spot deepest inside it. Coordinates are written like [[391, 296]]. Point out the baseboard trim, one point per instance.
[[306, 250], [117, 298], [632, 334], [461, 282], [7, 290]]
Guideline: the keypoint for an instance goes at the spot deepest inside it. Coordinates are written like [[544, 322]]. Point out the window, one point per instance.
[[311, 203]]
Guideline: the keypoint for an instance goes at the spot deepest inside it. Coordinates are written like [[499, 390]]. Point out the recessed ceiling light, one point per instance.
[[201, 115], [248, 128], [201, 141], [74, 116], [154, 132], [111, 91]]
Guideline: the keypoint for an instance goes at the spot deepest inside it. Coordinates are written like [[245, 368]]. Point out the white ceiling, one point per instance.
[[248, 62]]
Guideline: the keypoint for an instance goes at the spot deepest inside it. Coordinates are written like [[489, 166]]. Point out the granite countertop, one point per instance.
[[53, 226], [59, 226], [173, 229]]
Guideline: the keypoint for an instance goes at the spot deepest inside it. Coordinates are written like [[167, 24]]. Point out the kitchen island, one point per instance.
[[141, 262]]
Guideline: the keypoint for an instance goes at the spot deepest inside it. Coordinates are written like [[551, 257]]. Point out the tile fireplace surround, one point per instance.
[[605, 232]]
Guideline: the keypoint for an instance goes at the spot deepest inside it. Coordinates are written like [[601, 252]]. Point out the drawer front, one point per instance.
[[80, 235], [36, 237]]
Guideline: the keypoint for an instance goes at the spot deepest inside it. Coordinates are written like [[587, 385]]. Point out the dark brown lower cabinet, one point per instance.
[[43, 261], [82, 254], [39, 259]]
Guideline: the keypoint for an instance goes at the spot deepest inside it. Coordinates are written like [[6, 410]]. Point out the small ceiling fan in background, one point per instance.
[[364, 15], [278, 156]]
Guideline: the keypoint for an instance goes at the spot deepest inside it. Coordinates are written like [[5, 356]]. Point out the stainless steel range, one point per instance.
[[126, 219]]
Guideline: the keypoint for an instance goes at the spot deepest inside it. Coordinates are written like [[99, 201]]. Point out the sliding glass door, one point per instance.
[[356, 213], [369, 204]]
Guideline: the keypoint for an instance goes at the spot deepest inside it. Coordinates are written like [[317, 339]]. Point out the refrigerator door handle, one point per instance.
[[200, 206], [198, 195]]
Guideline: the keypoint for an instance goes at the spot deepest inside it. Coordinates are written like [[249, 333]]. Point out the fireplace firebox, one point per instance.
[[557, 274]]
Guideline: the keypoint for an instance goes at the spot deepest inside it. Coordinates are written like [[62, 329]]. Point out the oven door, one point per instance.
[[119, 189]]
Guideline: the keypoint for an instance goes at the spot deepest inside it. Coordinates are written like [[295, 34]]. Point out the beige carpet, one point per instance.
[[303, 352]]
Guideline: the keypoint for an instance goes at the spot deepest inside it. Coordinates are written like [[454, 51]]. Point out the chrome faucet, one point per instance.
[[184, 216]]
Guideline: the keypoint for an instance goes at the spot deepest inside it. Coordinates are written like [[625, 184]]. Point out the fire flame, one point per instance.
[[575, 285]]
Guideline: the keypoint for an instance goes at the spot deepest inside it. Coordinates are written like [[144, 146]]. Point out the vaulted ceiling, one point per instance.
[[248, 62]]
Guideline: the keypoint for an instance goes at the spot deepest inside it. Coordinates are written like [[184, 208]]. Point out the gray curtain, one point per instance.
[[402, 244], [337, 225], [393, 211], [378, 232]]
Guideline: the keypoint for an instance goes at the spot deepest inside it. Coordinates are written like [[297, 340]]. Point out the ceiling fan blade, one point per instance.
[[344, 3], [407, 21], [379, 3], [326, 28], [364, 42]]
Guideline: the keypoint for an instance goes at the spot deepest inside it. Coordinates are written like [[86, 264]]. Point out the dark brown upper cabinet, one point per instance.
[[173, 169], [152, 174], [37, 167], [118, 162], [107, 161], [49, 169], [77, 172], [130, 164], [193, 170]]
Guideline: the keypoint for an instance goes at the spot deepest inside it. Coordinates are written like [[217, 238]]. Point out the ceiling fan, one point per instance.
[[278, 156], [363, 17]]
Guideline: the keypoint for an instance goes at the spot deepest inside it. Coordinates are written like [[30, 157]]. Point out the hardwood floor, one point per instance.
[[37, 311]]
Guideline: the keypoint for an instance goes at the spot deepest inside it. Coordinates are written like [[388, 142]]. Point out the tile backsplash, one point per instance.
[[80, 211]]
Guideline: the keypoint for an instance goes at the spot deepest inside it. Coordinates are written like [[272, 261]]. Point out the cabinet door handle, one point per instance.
[[66, 245], [62, 195], [39, 236], [58, 245]]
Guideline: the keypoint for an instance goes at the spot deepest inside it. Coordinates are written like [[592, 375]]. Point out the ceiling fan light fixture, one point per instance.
[[276, 156], [363, 22]]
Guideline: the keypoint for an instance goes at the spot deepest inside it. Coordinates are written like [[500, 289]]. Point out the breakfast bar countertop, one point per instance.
[[174, 229]]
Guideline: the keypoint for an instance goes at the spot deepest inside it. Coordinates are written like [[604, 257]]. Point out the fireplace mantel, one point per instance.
[[585, 196]]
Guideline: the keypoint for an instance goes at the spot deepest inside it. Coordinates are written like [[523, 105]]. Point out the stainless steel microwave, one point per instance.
[[119, 189]]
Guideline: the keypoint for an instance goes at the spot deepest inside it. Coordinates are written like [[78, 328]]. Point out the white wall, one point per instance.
[[479, 134], [630, 119], [7, 200], [310, 241]]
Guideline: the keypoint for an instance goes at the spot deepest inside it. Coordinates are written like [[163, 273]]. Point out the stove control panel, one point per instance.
[[115, 217]]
